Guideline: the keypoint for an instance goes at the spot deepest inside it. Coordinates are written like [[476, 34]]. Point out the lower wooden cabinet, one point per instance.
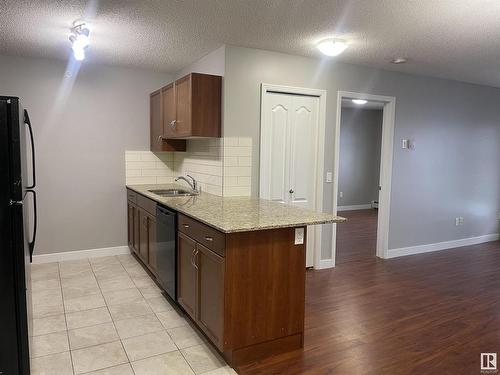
[[200, 288], [244, 290], [143, 236], [141, 229], [152, 251], [210, 294], [187, 274]]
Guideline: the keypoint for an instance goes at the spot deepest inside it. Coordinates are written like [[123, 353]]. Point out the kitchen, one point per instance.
[[169, 188], [201, 242]]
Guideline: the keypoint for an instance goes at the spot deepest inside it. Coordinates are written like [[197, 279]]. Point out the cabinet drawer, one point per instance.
[[202, 233], [146, 204], [132, 196]]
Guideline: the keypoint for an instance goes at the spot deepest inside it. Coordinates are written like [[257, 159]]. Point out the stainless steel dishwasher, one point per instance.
[[166, 242]]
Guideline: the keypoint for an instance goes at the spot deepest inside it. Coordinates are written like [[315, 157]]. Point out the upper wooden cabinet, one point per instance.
[[157, 116], [192, 107]]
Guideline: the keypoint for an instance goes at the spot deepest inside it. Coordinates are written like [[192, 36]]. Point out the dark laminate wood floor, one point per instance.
[[357, 238], [424, 314]]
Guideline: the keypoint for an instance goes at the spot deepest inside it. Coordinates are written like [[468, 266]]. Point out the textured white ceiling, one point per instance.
[[456, 39]]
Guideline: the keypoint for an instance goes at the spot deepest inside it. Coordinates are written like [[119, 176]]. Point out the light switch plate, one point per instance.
[[329, 177], [299, 236]]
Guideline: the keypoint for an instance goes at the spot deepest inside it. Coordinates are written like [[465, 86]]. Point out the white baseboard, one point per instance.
[[80, 254], [324, 263], [393, 253], [355, 207]]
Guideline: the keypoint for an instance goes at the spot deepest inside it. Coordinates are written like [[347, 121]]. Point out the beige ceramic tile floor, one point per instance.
[[106, 316]]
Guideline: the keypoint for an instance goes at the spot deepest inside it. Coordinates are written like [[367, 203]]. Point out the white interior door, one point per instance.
[[288, 167]]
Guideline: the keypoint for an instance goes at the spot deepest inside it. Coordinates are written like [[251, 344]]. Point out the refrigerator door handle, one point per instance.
[[31, 244], [30, 129]]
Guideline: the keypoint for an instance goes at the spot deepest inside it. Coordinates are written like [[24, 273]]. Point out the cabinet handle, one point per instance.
[[291, 191], [193, 254], [172, 123], [185, 225], [208, 238], [160, 138]]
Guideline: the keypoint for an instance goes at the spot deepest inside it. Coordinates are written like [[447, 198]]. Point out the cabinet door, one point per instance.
[[152, 243], [168, 102], [183, 107], [156, 125], [135, 229], [130, 225], [186, 274], [143, 235], [210, 293]]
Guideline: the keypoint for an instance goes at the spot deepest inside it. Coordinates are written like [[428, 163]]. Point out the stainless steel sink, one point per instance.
[[172, 192]]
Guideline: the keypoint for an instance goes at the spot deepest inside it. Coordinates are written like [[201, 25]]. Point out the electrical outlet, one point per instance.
[[299, 236], [329, 177], [459, 221], [341, 195]]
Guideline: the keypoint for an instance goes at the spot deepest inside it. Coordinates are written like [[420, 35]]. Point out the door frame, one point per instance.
[[386, 159], [320, 152]]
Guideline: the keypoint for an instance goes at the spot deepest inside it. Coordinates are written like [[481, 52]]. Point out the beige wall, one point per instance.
[[81, 134]]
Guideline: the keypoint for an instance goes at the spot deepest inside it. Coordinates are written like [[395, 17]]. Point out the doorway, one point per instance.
[[364, 138], [291, 152]]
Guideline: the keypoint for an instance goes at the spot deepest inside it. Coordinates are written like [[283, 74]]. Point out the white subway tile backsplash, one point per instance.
[[237, 151], [231, 161], [244, 161], [141, 180], [245, 142], [238, 171], [145, 167], [221, 165]]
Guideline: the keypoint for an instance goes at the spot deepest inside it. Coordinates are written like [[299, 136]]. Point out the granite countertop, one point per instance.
[[237, 214]]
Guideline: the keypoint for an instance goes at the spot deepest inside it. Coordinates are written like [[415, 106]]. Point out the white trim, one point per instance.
[[325, 263], [420, 249], [320, 155], [354, 207], [80, 254], [385, 167]]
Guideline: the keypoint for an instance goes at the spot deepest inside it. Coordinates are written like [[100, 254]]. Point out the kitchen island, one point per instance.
[[240, 268]]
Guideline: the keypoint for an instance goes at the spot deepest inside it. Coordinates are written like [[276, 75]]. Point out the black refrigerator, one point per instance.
[[17, 235]]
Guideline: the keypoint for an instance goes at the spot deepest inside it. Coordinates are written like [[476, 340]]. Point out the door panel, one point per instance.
[[152, 254], [136, 229], [143, 235], [211, 293], [156, 125], [168, 103], [289, 140], [302, 179], [187, 274], [274, 172], [183, 107]]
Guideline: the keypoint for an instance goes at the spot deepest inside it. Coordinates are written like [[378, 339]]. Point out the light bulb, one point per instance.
[[332, 47], [79, 53], [359, 101]]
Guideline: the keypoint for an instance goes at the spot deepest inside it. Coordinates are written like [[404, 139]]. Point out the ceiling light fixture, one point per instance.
[[399, 60], [80, 39], [332, 47], [359, 101]]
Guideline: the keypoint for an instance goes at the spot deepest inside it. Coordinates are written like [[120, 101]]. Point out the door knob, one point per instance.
[[291, 191]]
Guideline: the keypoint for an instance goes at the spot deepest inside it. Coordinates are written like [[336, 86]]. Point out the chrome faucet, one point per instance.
[[193, 184]]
